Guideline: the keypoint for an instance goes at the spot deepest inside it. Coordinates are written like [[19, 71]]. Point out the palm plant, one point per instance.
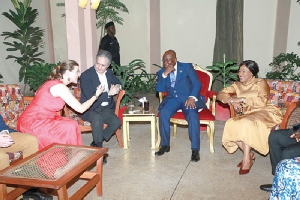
[[108, 11], [27, 39]]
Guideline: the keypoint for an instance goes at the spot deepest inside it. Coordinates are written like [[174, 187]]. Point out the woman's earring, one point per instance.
[[69, 79]]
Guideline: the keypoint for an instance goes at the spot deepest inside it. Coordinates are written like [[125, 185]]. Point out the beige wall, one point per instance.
[[188, 28], [259, 27], [134, 35], [59, 31], [294, 28]]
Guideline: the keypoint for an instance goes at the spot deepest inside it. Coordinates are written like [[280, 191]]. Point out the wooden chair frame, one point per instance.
[[88, 128]]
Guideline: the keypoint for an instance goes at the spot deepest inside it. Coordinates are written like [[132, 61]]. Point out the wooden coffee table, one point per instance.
[[138, 115], [54, 167]]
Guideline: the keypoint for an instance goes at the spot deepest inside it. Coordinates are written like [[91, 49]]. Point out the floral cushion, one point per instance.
[[12, 104]]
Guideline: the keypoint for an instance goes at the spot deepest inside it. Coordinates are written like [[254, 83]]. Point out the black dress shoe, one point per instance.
[[105, 158], [105, 155], [93, 144], [99, 144], [266, 187], [36, 195], [162, 150], [195, 156]]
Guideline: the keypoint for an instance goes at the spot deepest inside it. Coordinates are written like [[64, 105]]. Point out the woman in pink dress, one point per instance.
[[41, 118]]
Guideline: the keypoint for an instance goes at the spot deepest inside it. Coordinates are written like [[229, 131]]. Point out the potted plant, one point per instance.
[[225, 72], [132, 81], [285, 67], [26, 39], [37, 74]]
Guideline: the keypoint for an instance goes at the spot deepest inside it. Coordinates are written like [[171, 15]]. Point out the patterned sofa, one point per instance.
[[13, 104], [282, 93]]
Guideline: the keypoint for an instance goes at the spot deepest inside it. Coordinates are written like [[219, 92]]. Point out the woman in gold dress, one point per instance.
[[251, 129]]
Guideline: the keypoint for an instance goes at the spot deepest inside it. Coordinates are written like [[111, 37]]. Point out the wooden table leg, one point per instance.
[[158, 134], [153, 132], [63, 193], [125, 137], [127, 130], [99, 169], [3, 191]]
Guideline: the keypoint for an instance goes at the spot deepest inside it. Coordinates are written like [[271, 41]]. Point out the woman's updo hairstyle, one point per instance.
[[58, 71], [252, 66]]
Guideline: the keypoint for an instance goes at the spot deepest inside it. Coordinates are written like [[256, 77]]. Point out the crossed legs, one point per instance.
[[99, 117]]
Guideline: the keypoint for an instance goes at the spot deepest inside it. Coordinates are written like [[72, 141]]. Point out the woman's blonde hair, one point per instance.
[[58, 71]]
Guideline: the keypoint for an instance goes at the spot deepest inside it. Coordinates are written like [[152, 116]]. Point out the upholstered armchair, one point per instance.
[[206, 116]]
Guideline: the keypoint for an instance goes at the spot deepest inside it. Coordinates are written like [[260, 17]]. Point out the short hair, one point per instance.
[[109, 24], [58, 71], [104, 54], [252, 66]]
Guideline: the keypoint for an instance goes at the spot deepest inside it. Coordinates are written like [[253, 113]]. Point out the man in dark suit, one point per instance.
[[284, 144], [182, 85], [102, 111]]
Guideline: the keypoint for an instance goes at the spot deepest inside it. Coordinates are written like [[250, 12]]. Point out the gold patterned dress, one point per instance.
[[259, 116]]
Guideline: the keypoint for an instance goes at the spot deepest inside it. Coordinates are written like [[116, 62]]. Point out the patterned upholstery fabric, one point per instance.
[[282, 93], [75, 90], [12, 104]]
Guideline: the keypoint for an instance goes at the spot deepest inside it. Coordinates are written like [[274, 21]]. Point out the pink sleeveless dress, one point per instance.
[[41, 119]]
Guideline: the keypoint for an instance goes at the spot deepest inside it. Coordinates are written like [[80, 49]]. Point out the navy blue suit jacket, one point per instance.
[[89, 81], [187, 84]]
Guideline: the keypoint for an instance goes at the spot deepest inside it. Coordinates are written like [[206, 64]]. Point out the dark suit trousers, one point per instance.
[[282, 146], [191, 115], [100, 116]]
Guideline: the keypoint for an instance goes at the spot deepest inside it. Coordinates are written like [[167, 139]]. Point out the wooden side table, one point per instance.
[[138, 115], [54, 167]]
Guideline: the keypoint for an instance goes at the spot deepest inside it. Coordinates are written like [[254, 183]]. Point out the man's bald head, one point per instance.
[[169, 58]]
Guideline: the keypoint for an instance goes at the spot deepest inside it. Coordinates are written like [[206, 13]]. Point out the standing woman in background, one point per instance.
[[250, 129], [41, 118]]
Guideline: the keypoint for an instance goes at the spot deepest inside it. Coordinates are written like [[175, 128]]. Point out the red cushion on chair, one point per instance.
[[206, 114]]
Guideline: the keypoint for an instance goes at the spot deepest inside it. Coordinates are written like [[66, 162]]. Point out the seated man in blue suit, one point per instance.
[[182, 85]]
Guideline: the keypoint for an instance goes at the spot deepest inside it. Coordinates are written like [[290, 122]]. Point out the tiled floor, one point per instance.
[[135, 173]]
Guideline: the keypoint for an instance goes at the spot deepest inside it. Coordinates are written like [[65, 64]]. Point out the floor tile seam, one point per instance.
[[180, 179]]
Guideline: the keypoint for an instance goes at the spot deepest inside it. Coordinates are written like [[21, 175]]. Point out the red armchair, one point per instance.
[[206, 116]]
